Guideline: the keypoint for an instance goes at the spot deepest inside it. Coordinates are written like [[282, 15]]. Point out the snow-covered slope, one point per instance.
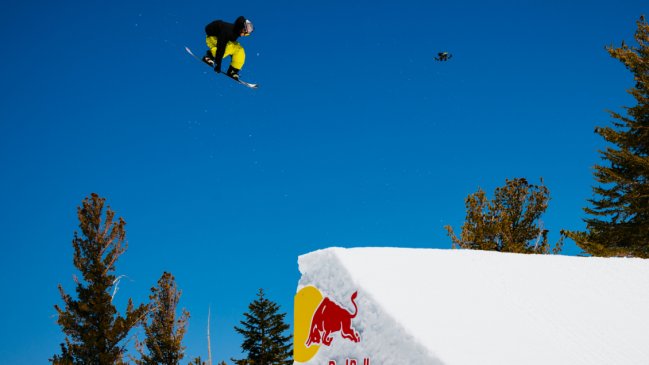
[[461, 307]]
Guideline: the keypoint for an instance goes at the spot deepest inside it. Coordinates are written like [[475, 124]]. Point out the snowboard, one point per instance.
[[244, 83]]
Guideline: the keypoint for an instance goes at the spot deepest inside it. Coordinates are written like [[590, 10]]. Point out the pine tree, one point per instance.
[[94, 331], [619, 222], [263, 332], [164, 332], [198, 361], [508, 223]]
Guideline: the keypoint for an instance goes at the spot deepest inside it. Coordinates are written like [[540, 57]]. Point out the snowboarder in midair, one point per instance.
[[443, 56], [221, 39]]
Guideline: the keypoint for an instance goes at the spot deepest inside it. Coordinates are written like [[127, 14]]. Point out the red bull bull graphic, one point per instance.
[[330, 318], [320, 321]]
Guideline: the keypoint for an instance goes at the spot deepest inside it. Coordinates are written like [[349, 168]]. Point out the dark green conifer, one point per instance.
[[94, 330], [264, 330], [619, 217], [509, 223], [164, 332]]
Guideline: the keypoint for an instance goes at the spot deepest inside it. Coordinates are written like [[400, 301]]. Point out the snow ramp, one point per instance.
[[393, 306]]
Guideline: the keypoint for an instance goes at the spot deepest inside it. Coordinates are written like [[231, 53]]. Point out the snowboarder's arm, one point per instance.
[[220, 51], [217, 30]]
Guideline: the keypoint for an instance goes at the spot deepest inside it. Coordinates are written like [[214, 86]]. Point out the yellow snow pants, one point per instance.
[[233, 49]]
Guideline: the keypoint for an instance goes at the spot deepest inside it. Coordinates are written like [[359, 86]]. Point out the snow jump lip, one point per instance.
[[426, 306]]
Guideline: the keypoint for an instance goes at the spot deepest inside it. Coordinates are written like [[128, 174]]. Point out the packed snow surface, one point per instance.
[[462, 307]]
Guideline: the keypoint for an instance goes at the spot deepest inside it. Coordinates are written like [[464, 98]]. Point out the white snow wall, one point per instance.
[[461, 307]]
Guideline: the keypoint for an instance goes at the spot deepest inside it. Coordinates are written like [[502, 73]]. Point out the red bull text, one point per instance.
[[366, 361]]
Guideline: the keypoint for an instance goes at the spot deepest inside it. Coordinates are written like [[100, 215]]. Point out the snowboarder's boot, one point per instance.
[[208, 58], [233, 72]]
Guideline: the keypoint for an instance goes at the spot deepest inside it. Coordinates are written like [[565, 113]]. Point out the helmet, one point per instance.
[[247, 27]]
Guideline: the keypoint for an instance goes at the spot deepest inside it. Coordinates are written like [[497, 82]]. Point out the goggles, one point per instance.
[[247, 28]]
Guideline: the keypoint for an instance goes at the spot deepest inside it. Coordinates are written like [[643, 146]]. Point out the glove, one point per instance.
[[217, 67]]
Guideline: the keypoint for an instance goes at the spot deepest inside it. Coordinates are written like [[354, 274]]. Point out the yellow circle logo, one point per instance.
[[306, 303]]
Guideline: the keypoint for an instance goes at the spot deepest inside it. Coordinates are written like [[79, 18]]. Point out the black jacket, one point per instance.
[[224, 32]]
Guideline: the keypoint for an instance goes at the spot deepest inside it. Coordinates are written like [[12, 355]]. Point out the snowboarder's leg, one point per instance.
[[209, 55], [233, 49], [238, 54]]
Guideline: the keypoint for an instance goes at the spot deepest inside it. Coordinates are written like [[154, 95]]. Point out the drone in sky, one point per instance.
[[443, 56]]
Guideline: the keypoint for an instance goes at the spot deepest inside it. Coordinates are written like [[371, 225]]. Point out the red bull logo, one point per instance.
[[321, 321], [330, 318]]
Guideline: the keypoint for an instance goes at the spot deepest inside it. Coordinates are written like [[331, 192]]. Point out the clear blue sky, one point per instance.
[[357, 137]]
